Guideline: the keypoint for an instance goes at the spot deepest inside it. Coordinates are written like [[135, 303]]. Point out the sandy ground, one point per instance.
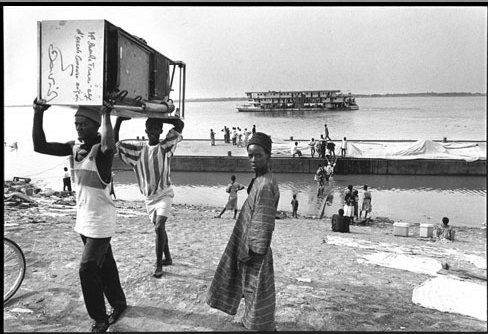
[[323, 282]]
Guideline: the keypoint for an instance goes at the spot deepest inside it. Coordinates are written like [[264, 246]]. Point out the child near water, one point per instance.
[[445, 232], [294, 206]]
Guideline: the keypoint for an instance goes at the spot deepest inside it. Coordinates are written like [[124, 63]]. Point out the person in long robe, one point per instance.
[[246, 267]]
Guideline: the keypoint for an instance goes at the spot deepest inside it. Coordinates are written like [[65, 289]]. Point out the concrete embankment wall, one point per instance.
[[343, 166]]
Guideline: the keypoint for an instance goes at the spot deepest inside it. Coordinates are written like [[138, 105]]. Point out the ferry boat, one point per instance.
[[314, 100]]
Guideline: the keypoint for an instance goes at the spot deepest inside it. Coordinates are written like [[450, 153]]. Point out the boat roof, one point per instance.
[[296, 91]]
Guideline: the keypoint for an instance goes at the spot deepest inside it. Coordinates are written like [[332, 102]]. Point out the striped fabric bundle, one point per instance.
[[246, 267], [151, 164]]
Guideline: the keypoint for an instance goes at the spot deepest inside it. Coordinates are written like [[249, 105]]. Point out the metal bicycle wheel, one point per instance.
[[13, 268]]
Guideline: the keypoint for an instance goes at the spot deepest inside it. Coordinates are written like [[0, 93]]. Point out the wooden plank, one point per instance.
[[143, 114], [316, 204]]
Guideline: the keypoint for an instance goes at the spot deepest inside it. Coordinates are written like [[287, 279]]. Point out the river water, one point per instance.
[[408, 198]]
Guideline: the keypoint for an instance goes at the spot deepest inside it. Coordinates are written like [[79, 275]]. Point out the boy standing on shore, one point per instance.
[[294, 206], [232, 189], [151, 164], [95, 210]]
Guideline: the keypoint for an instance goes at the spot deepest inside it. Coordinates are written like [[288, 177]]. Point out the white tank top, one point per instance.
[[96, 213]]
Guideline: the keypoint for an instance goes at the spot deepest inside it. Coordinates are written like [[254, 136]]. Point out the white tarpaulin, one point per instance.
[[428, 149], [283, 147], [417, 264], [442, 293], [452, 295], [421, 149]]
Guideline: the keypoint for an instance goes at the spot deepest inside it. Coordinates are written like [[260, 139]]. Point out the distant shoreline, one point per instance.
[[229, 99], [432, 94]]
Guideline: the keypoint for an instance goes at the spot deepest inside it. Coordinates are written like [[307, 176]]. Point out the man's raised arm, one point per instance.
[[176, 122], [107, 140], [39, 138]]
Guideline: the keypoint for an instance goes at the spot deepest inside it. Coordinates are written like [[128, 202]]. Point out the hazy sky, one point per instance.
[[231, 50]]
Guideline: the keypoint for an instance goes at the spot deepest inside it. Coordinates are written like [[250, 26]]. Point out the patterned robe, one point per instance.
[[234, 279]]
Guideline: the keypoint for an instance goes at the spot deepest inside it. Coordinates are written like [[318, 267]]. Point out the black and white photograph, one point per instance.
[[245, 167]]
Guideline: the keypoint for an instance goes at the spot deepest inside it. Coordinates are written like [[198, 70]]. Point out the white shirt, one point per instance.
[[95, 214]]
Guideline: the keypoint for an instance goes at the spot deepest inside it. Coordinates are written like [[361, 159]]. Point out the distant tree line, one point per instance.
[[452, 94], [216, 99]]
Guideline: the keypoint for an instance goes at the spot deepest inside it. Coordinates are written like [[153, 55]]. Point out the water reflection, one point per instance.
[[409, 198], [379, 182]]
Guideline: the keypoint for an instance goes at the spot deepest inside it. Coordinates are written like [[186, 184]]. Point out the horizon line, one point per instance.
[[359, 94]]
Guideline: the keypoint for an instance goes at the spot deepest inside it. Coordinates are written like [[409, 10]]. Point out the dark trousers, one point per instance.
[[67, 183], [99, 276]]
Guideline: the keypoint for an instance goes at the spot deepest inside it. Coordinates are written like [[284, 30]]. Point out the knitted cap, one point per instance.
[[90, 113], [261, 139]]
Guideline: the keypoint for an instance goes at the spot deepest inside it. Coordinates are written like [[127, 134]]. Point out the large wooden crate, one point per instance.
[[87, 62]]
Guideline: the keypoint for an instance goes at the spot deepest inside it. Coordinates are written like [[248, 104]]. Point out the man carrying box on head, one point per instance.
[[93, 154], [151, 164]]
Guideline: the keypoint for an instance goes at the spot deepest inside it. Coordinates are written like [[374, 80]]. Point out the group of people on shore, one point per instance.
[[246, 267], [340, 221], [236, 136], [351, 203], [324, 146], [352, 211]]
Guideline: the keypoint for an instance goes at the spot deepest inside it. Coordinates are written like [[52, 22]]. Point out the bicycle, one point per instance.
[[13, 268]]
